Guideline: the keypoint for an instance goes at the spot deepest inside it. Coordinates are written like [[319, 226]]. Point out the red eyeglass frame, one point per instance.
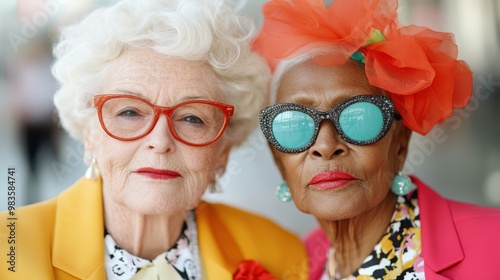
[[100, 99]]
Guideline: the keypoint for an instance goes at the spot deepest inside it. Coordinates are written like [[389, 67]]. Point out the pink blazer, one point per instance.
[[459, 240]]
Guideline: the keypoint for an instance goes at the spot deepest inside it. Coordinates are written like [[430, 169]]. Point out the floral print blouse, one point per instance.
[[398, 255]]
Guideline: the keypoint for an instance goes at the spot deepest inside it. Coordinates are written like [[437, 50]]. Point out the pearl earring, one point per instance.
[[216, 186], [92, 172]]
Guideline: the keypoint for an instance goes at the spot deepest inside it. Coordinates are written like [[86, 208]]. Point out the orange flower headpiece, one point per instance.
[[417, 66]]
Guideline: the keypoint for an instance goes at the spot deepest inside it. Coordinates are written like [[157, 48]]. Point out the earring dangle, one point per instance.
[[92, 172], [401, 184], [282, 192], [216, 186]]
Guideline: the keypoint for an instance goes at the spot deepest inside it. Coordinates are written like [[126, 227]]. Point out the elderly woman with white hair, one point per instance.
[[159, 92]]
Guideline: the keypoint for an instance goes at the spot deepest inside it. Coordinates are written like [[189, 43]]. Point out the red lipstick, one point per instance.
[[331, 180], [159, 174]]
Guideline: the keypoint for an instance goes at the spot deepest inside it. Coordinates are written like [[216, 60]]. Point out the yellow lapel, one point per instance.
[[79, 231], [220, 253]]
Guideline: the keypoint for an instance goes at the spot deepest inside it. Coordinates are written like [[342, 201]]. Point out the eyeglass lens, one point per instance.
[[360, 121], [195, 123]]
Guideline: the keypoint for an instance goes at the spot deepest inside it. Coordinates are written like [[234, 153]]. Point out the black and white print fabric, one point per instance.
[[121, 265]]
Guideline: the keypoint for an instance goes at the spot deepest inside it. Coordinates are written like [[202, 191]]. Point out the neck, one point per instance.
[[144, 236], [354, 239]]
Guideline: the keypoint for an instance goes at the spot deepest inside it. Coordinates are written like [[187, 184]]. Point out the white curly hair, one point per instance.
[[197, 30]]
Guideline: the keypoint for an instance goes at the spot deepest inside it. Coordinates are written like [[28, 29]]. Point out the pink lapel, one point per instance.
[[317, 246], [441, 245]]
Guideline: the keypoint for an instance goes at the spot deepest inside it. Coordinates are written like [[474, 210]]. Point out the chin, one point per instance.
[[150, 204], [153, 209], [330, 216], [330, 210]]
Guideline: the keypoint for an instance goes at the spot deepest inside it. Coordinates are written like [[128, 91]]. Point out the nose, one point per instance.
[[160, 139], [328, 144]]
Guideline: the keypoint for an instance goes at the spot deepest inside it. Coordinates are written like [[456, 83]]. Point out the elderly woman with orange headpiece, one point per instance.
[[350, 85]]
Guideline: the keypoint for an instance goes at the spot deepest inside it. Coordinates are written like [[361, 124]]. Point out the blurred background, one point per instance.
[[460, 158]]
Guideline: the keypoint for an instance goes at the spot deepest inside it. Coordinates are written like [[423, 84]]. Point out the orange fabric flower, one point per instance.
[[417, 66], [294, 27], [252, 270]]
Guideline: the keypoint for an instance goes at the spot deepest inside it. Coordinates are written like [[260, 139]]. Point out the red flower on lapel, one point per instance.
[[252, 270]]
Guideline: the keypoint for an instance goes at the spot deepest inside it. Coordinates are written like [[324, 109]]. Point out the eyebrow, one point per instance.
[[305, 99], [193, 97], [128, 92]]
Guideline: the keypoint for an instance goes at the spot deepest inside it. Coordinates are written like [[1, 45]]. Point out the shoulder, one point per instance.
[[247, 225], [27, 235], [238, 217], [35, 216], [41, 217], [44, 213], [460, 212], [257, 238], [476, 223], [458, 233], [463, 211], [33, 230]]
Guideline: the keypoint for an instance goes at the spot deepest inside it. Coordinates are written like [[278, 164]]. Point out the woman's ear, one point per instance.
[[403, 136], [87, 145], [91, 139]]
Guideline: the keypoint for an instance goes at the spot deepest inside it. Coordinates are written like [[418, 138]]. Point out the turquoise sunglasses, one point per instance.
[[360, 120]]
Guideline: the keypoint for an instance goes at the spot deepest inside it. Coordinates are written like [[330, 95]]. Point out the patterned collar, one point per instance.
[[183, 255], [398, 253]]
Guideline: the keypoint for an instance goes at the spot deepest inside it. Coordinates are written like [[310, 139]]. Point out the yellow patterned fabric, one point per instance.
[[398, 255]]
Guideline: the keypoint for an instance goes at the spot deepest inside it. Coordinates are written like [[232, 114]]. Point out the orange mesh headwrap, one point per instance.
[[417, 66]]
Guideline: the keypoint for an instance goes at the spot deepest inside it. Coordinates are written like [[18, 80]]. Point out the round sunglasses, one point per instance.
[[360, 120]]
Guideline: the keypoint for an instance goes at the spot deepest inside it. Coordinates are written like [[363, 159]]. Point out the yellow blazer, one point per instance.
[[63, 238]]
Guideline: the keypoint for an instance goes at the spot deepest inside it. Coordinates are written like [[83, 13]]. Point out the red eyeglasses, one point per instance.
[[129, 117]]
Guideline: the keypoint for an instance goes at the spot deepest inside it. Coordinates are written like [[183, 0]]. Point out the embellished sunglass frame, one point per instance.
[[268, 114]]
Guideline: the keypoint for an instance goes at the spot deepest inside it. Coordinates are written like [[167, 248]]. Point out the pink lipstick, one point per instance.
[[331, 180], [159, 174]]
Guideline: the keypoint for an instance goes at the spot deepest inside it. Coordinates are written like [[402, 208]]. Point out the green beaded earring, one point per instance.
[[401, 184], [283, 192]]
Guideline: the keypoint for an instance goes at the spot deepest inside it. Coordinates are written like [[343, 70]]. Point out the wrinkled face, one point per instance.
[[370, 168], [130, 169]]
